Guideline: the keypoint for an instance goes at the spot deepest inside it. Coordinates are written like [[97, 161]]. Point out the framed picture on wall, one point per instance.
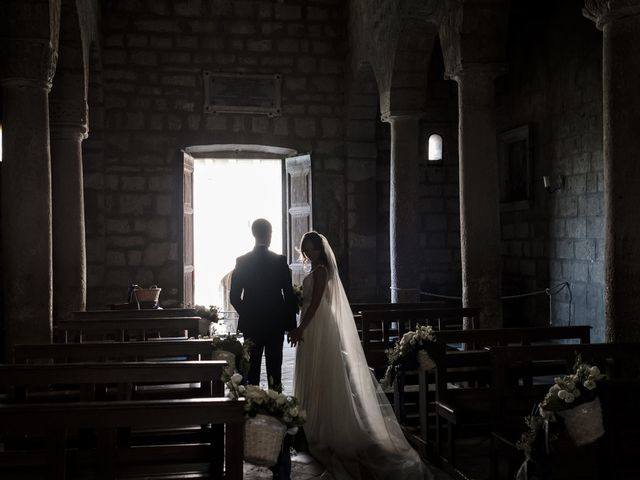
[[515, 169]]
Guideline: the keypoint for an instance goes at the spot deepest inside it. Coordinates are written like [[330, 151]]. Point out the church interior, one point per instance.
[[468, 160]]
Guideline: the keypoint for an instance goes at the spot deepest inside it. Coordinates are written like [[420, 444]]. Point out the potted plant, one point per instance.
[[409, 352], [270, 415]]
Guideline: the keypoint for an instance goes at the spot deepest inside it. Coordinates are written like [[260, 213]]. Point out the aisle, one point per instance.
[[288, 364]]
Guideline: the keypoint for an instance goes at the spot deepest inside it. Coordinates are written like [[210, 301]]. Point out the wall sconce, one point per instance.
[[558, 183]]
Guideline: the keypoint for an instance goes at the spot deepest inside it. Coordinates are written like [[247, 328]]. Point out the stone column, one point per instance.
[[404, 243], [620, 24], [68, 129], [479, 192], [26, 70]]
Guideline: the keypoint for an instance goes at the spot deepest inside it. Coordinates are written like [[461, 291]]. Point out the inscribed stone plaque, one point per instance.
[[242, 93]]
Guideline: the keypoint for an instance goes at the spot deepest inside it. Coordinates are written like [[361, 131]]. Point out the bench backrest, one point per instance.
[[376, 306], [127, 327], [145, 313], [521, 375], [106, 456], [380, 329], [123, 381], [484, 337], [113, 351]]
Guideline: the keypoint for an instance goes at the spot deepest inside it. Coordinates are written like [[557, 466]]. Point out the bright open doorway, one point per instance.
[[228, 195]]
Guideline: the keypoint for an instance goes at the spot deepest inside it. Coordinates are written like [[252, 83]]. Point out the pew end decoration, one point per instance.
[[210, 312], [410, 353], [270, 416], [573, 399], [230, 348]]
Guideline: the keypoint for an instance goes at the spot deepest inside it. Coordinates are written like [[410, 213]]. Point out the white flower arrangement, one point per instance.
[[566, 393], [406, 351], [285, 408]]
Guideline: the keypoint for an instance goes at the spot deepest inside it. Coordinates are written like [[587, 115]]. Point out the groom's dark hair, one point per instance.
[[261, 229]]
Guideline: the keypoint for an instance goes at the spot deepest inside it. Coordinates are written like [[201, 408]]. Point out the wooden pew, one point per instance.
[[126, 328], [458, 394], [380, 329], [122, 381], [60, 458], [521, 376], [113, 351]]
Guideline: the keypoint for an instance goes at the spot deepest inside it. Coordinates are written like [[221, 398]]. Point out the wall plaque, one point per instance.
[[242, 93]]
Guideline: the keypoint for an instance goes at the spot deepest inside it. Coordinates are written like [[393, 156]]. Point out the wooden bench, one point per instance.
[[113, 351], [59, 457], [521, 376], [458, 394], [379, 330], [127, 328], [139, 381]]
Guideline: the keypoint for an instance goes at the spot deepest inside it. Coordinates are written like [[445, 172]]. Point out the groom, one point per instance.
[[262, 294]]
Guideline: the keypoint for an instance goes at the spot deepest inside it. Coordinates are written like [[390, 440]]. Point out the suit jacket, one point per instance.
[[262, 293]]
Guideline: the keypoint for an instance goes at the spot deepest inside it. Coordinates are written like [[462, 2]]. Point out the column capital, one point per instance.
[[605, 11], [475, 70], [389, 117], [68, 118], [27, 62]]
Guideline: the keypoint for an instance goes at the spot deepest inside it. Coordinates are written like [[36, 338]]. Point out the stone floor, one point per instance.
[[303, 466]]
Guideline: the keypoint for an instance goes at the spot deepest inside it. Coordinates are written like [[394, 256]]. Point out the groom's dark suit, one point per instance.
[[262, 294]]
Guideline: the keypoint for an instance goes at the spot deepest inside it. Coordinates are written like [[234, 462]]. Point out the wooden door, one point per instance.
[[299, 209], [186, 296]]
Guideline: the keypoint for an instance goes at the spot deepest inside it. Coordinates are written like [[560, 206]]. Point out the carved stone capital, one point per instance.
[[475, 70], [66, 113], [605, 11], [390, 117], [27, 62]]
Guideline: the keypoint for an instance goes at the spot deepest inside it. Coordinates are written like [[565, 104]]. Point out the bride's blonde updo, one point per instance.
[[316, 242]]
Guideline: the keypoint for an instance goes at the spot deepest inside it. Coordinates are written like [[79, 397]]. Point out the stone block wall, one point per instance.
[[154, 54], [554, 84]]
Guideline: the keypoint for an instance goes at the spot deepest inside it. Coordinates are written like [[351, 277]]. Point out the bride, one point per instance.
[[351, 428]]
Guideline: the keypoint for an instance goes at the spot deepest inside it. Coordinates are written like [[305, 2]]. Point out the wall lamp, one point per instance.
[[553, 184]]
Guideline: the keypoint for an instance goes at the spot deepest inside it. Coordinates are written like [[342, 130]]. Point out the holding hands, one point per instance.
[[295, 336]]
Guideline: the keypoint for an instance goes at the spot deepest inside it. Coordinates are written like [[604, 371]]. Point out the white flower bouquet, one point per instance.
[[572, 393], [210, 312], [405, 351], [231, 343], [267, 402]]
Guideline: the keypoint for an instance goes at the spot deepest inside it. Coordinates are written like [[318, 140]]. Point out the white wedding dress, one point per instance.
[[351, 428]]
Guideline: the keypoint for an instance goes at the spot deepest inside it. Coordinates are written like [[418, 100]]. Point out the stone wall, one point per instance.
[[554, 84], [154, 54]]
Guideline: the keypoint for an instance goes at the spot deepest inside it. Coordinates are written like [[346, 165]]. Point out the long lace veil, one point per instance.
[[387, 453]]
